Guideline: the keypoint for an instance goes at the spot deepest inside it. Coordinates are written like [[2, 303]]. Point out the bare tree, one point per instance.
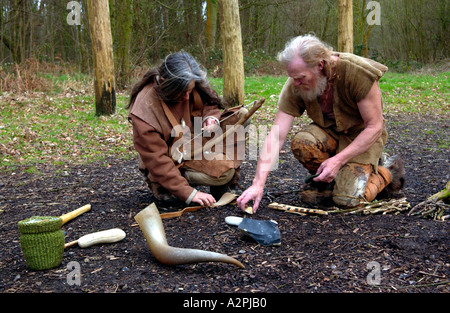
[[211, 23], [233, 62], [102, 54], [345, 26], [121, 25]]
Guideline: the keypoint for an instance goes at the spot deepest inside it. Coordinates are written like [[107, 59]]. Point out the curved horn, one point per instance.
[[150, 222]]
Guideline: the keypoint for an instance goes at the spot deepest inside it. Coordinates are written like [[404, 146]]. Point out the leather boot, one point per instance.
[[376, 183], [350, 184]]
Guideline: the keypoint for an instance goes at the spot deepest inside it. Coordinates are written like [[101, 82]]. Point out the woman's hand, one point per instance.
[[204, 199]]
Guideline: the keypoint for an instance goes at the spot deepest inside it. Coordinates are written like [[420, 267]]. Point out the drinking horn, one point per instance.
[[151, 225]]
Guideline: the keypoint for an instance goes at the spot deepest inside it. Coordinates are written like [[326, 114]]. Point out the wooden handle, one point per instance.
[[70, 244], [71, 215], [104, 236], [255, 106], [179, 213]]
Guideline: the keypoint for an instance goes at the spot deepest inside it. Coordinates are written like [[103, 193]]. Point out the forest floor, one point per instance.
[[318, 254]]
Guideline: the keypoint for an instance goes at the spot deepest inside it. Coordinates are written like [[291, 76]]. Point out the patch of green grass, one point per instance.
[[31, 170], [257, 87], [60, 129], [414, 93]]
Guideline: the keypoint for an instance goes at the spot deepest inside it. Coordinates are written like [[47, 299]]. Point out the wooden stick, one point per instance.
[[70, 244], [226, 198], [256, 105], [179, 213], [295, 209]]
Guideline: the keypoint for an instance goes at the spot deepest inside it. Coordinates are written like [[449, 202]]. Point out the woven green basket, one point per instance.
[[42, 241]]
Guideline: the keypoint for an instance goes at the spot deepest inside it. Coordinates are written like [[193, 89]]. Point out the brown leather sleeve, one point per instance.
[[154, 153]]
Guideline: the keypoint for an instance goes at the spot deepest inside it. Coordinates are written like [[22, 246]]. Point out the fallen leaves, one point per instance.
[[60, 129]]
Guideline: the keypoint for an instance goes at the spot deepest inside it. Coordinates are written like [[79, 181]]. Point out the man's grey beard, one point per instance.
[[312, 94]]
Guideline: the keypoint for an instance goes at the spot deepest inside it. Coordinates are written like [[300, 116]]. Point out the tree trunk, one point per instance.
[[327, 19], [17, 41], [345, 26], [102, 53], [233, 61], [188, 21], [124, 24], [211, 23]]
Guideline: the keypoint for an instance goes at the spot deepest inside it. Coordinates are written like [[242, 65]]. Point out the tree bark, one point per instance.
[[102, 53], [233, 60], [211, 23], [345, 26], [124, 24]]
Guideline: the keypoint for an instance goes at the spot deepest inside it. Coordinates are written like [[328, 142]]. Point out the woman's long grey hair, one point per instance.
[[172, 77]]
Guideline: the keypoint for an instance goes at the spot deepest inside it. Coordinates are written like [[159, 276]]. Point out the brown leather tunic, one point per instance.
[[152, 138], [354, 78]]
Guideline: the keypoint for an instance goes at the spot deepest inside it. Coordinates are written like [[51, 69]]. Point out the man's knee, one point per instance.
[[312, 146]]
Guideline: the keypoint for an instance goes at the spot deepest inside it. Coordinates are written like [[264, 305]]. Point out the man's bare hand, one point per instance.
[[253, 193], [328, 170]]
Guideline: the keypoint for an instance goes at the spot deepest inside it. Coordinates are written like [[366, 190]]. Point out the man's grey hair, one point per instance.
[[308, 47]]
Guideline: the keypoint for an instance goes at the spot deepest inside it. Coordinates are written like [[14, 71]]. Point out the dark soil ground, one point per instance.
[[322, 254]]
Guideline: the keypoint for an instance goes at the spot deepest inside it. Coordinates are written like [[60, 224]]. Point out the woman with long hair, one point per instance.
[[176, 95]]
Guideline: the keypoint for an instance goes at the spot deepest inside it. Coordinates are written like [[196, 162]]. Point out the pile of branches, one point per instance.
[[384, 207], [433, 208], [394, 206], [436, 206]]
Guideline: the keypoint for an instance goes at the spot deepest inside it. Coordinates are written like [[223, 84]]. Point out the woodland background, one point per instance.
[[412, 33]]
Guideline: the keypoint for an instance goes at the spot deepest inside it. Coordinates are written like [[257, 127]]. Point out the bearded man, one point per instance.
[[344, 144]]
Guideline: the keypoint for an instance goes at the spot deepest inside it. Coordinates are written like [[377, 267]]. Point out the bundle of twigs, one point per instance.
[[395, 206], [436, 206], [433, 208], [384, 207]]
